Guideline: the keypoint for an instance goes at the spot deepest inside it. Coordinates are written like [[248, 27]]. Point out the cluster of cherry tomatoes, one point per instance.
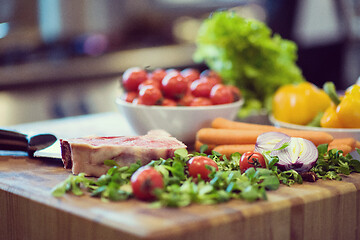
[[172, 87], [146, 179]]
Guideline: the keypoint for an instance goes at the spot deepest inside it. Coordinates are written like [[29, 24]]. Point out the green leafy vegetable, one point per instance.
[[227, 183], [246, 54], [288, 177], [180, 189], [108, 187], [332, 162]]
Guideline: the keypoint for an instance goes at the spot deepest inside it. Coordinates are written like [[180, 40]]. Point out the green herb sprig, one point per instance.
[[110, 186], [227, 183], [332, 163], [180, 189]]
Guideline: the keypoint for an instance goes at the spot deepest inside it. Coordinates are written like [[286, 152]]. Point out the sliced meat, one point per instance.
[[87, 155]]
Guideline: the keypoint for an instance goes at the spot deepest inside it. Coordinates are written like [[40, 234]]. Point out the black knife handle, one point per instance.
[[13, 141]]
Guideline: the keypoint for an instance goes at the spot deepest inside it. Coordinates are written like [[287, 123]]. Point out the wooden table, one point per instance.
[[321, 210]]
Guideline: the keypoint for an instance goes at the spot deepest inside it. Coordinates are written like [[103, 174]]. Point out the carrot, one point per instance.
[[347, 141], [227, 150], [198, 144], [314, 136], [239, 136], [344, 147], [228, 124], [357, 144], [226, 136]]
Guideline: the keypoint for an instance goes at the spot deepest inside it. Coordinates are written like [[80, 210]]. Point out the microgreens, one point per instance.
[[332, 162], [227, 183]]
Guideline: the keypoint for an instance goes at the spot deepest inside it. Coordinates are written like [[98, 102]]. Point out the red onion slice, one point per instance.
[[267, 141], [300, 155]]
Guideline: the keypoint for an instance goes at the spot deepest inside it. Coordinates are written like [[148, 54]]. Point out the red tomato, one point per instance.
[[174, 85], [251, 159], [201, 87], [144, 181], [220, 94], [236, 92], [171, 70], [132, 78], [186, 99], [190, 74], [136, 101], [150, 95], [149, 82], [197, 165], [167, 102], [211, 74], [129, 96], [158, 74], [200, 101], [212, 80]]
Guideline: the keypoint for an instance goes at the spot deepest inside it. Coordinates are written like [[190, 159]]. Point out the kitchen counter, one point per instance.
[[105, 66], [321, 210]]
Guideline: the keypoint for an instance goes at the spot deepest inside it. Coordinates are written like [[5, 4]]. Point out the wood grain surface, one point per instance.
[[311, 211], [321, 210]]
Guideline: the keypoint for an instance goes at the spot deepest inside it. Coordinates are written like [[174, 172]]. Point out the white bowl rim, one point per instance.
[[296, 126], [197, 108]]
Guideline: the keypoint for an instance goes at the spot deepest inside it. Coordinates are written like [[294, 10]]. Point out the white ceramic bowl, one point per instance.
[[181, 122], [335, 132]]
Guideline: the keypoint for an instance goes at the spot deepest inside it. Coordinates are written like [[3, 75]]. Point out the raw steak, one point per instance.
[[87, 155]]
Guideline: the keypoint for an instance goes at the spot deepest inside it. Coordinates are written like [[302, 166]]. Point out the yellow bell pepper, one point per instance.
[[348, 110], [353, 90], [299, 103], [330, 118], [345, 112]]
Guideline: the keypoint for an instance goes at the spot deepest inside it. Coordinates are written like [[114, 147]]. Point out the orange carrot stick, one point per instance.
[[228, 124], [347, 141], [357, 144], [315, 136], [198, 144], [226, 136], [227, 150], [345, 148], [239, 136]]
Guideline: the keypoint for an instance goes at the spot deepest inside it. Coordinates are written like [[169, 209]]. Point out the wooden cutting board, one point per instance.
[[321, 210]]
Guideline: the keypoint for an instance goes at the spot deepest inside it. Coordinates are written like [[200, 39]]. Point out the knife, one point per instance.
[[16, 141]]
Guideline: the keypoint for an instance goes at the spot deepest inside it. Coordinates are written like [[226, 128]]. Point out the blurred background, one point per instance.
[[62, 58]]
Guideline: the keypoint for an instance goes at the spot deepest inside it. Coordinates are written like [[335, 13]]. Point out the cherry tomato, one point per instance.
[[220, 94], [251, 159], [236, 92], [167, 102], [186, 99], [197, 165], [200, 101], [190, 74], [211, 74], [129, 96], [132, 78], [144, 181], [136, 100], [157, 75], [201, 87], [149, 82], [174, 85], [212, 80], [150, 95], [171, 70]]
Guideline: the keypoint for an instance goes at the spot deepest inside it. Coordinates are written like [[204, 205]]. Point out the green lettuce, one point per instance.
[[248, 55]]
